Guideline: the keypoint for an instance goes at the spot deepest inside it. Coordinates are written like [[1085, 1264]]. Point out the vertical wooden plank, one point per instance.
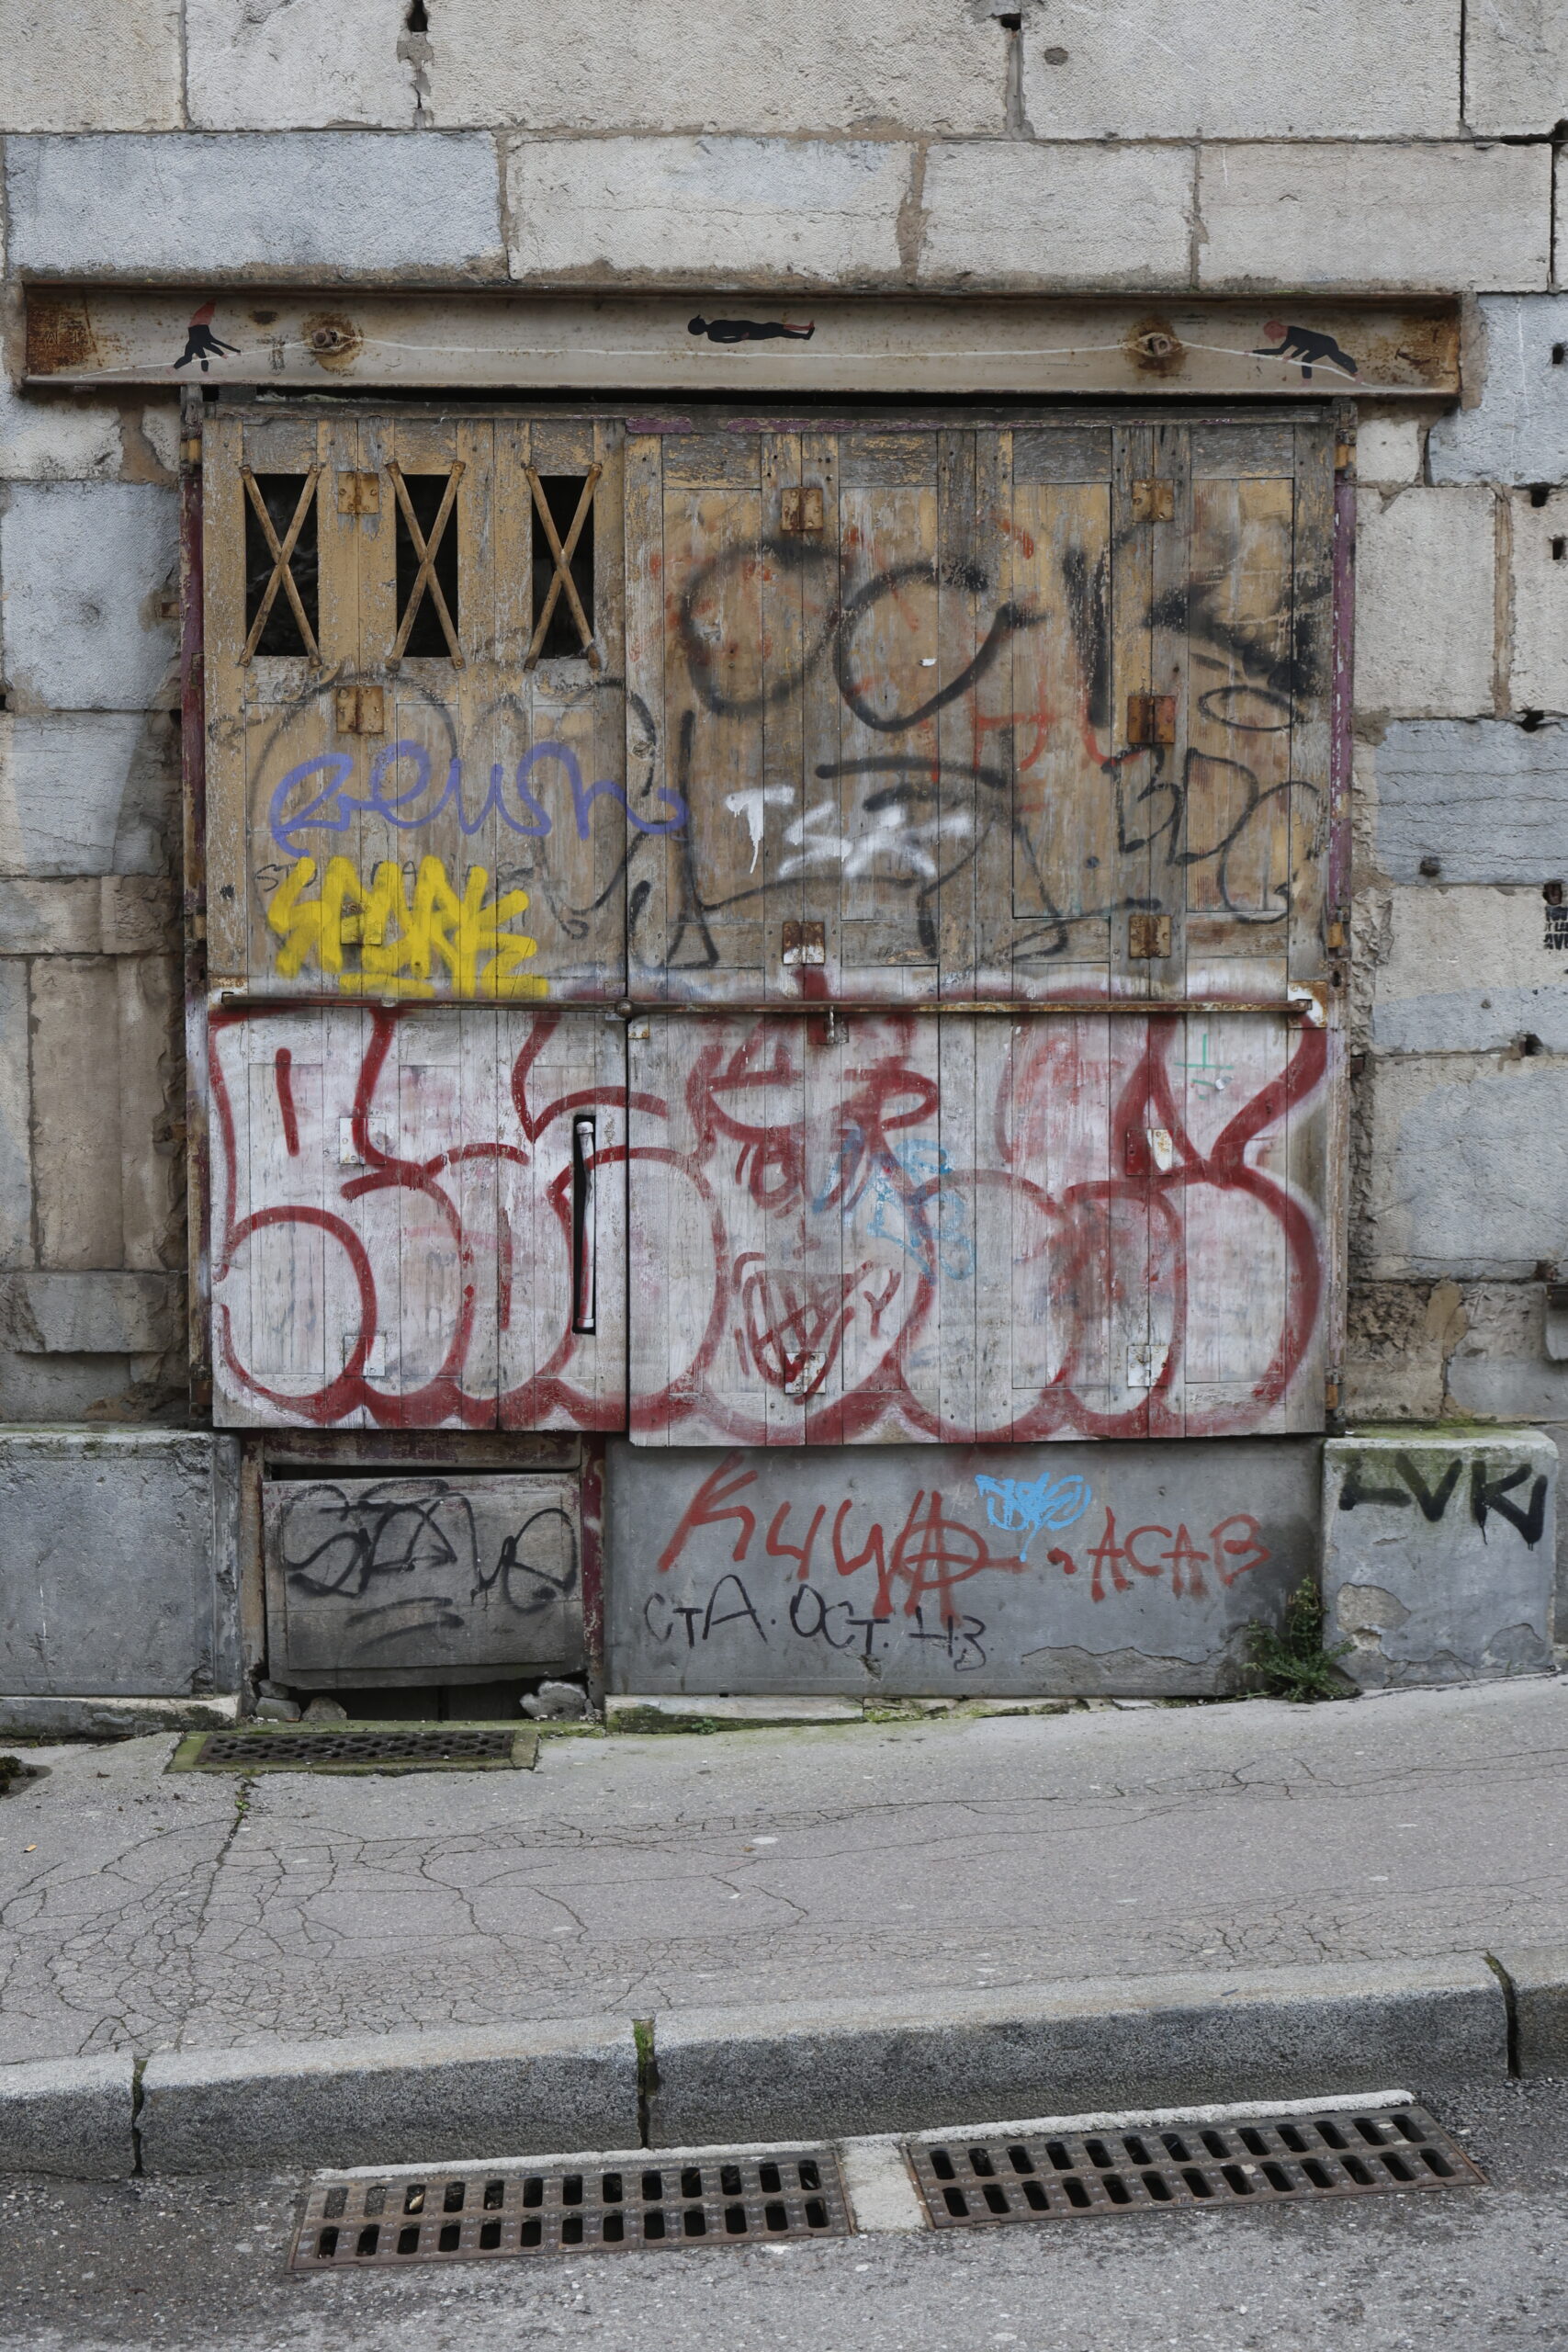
[[1315, 902], [657, 864], [973, 570], [224, 571]]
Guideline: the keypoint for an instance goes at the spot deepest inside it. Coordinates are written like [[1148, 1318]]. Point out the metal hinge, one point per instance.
[[1151, 718], [359, 493], [801, 514], [1148, 938], [360, 710], [1154, 501], [803, 943]]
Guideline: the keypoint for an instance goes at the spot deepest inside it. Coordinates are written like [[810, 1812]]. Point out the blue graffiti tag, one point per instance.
[[930, 1229], [334, 809], [1015, 1504]]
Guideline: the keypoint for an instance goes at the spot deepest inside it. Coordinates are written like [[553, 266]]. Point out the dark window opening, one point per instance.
[[563, 495], [427, 640], [280, 634]]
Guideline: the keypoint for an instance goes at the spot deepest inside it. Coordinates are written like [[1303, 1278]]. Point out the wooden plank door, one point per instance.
[[940, 1226], [418, 1217], [1031, 716], [992, 712], [407, 799]]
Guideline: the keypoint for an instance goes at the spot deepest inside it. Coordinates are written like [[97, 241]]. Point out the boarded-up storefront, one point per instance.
[[758, 932]]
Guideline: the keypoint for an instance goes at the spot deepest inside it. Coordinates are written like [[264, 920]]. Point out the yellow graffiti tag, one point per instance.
[[403, 948]]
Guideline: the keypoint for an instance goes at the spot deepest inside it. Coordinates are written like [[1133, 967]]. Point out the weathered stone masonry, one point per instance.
[[1396, 147]]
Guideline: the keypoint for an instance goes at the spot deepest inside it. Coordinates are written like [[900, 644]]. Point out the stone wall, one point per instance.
[[1365, 145]]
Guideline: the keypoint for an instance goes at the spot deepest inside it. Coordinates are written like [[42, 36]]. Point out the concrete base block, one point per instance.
[[1440, 1554], [71, 2116], [892, 2064], [391, 2099], [118, 1567], [111, 1718], [1538, 1981]]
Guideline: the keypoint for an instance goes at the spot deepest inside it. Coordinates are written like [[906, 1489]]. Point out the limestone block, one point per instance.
[[695, 211], [1484, 803], [56, 440], [1471, 970], [88, 571], [1388, 449], [1499, 1370], [1005, 213], [108, 914], [1183, 69], [292, 64], [1515, 65], [1469, 1166], [119, 1562], [1538, 669], [91, 1314], [77, 1112], [1425, 601], [1143, 1568], [89, 791], [1440, 1554], [104, 1068], [1394, 1344], [1518, 429], [1374, 218], [90, 65], [15, 1150], [728, 66], [318, 206], [148, 1017]]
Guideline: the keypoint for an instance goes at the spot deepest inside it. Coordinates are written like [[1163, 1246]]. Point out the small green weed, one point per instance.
[[1293, 1663], [654, 1719]]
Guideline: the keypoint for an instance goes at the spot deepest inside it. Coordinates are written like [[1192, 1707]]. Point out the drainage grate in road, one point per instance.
[[1344, 2152], [358, 1747], [465, 2216]]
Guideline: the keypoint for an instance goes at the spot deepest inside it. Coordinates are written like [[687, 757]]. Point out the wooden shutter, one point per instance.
[[1031, 723], [416, 860], [412, 817]]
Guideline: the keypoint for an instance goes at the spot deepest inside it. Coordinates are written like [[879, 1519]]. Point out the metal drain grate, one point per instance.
[[467, 2216], [358, 1747], [1343, 2152]]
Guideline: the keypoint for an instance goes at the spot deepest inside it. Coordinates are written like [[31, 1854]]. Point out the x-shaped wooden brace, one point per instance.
[[282, 559], [426, 551], [563, 582]]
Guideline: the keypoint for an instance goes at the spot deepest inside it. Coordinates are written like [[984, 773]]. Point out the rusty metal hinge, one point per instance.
[[801, 514], [1154, 501], [358, 494], [1148, 938], [803, 943], [1151, 718], [360, 710]]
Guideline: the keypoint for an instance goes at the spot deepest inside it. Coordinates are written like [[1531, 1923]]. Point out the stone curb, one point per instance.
[[904, 2063], [839, 2071], [73, 2116], [389, 2098]]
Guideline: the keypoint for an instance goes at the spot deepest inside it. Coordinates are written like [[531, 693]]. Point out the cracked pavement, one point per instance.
[[639, 1873]]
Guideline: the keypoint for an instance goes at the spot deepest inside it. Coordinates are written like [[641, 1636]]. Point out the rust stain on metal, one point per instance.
[[59, 336], [331, 339], [1154, 348]]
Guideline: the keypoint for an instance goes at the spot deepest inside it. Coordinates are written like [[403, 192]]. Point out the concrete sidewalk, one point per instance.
[[907, 1866]]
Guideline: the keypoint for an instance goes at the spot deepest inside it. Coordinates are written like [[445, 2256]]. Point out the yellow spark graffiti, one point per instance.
[[403, 949]]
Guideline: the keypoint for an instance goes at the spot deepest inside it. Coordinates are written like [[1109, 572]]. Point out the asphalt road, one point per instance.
[[198, 2268]]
